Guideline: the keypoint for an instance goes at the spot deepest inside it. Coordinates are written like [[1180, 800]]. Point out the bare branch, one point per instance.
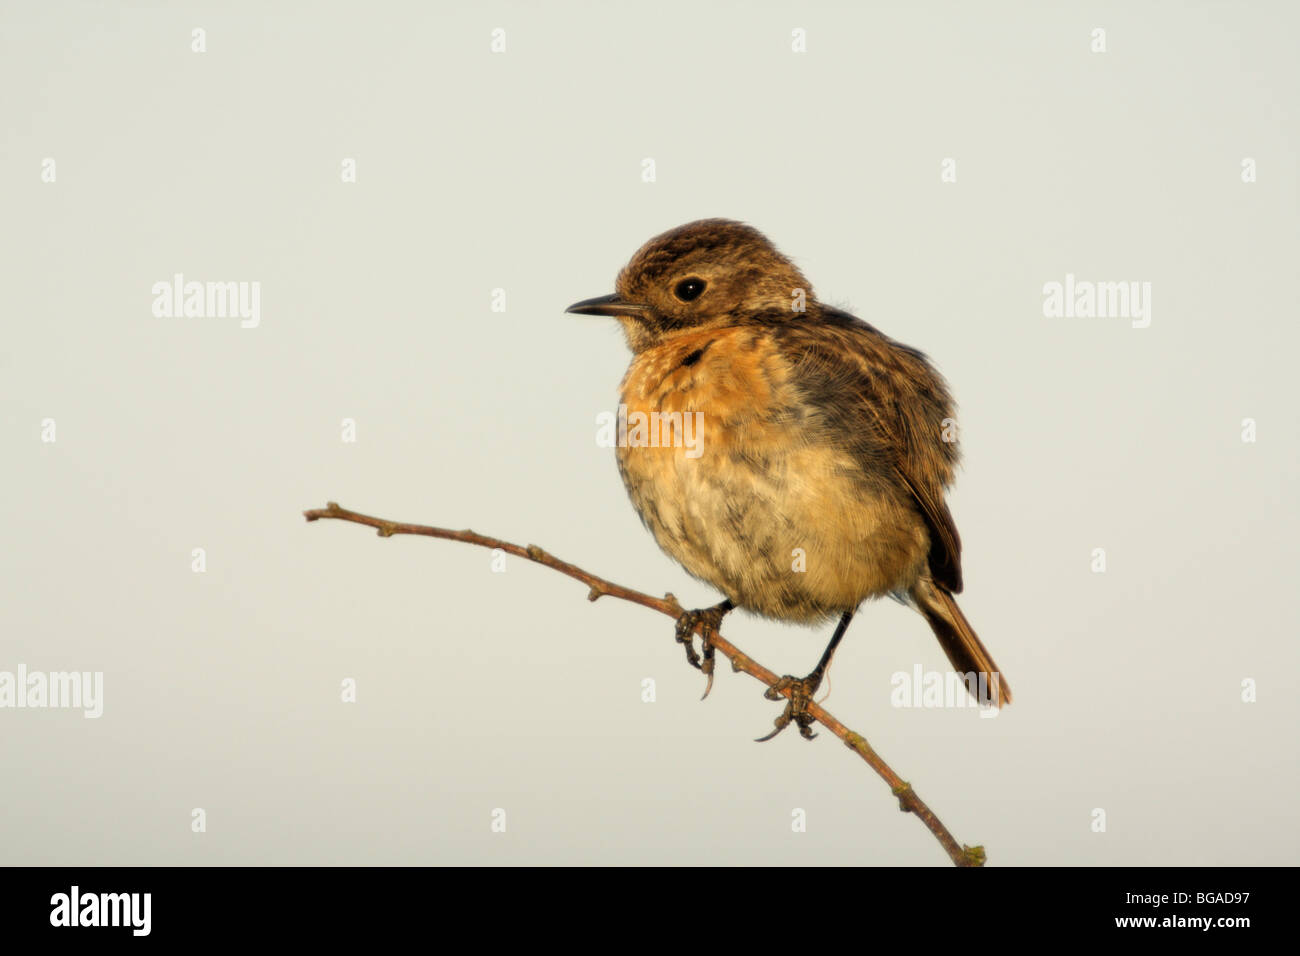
[[908, 801]]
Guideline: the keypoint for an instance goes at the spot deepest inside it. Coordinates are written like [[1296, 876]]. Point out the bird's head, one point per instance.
[[711, 273]]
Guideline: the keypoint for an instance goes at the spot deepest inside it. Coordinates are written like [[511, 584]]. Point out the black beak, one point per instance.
[[607, 305]]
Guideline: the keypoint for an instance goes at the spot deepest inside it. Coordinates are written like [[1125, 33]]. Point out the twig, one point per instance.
[[908, 801]]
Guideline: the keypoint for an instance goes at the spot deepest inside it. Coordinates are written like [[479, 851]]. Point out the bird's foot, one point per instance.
[[708, 620], [796, 708]]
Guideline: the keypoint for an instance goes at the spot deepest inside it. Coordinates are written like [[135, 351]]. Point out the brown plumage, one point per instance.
[[820, 436]]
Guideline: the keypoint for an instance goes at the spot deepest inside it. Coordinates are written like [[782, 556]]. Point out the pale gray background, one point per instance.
[[480, 690]]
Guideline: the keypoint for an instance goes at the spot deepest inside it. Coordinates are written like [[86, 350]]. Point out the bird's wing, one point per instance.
[[945, 543], [888, 405]]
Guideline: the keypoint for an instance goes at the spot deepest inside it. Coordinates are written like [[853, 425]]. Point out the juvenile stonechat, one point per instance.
[[821, 437]]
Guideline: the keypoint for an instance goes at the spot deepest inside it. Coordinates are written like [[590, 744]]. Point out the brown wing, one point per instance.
[[887, 403], [945, 543]]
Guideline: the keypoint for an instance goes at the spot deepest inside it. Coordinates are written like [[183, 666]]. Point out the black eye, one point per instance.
[[689, 289]]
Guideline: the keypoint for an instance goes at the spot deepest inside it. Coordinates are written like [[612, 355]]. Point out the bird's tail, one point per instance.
[[957, 638]]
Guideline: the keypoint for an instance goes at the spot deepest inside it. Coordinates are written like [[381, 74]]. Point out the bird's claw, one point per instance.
[[686, 636], [796, 708], [708, 620]]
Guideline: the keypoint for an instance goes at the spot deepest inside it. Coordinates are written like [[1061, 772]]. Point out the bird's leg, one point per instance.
[[802, 689], [708, 619]]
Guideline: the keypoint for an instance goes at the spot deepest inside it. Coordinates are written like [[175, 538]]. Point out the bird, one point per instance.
[[823, 451]]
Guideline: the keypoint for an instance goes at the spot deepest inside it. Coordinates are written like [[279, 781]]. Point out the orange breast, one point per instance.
[[736, 480]]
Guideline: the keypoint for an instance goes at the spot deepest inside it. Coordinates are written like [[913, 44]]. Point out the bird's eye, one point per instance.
[[689, 289]]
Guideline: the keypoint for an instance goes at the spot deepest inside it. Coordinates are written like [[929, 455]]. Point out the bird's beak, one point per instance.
[[607, 305]]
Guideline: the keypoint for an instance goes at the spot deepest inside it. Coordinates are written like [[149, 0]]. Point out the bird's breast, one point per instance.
[[737, 478]]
